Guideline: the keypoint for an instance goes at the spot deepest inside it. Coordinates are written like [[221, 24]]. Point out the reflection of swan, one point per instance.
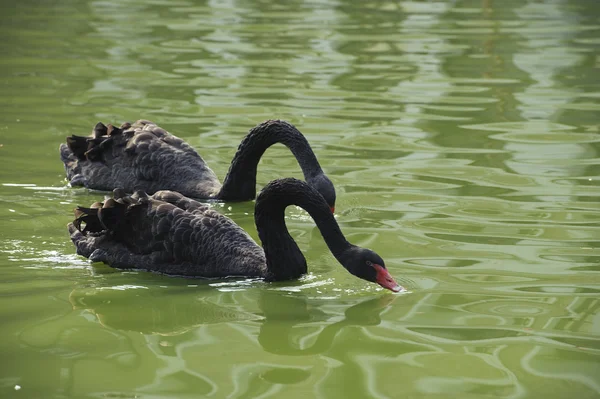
[[146, 311], [143, 156], [150, 312], [172, 234], [283, 312]]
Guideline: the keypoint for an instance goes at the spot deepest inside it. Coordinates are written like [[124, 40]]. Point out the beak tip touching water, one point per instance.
[[398, 288], [385, 280]]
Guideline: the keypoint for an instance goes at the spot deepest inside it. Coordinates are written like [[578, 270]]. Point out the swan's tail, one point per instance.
[[84, 245], [106, 216], [79, 149], [78, 145], [91, 147], [70, 161], [97, 231], [71, 154]]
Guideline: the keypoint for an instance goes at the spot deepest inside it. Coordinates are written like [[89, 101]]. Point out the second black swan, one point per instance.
[[172, 234], [144, 156]]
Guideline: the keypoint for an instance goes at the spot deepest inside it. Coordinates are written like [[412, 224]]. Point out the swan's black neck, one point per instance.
[[284, 259], [240, 182]]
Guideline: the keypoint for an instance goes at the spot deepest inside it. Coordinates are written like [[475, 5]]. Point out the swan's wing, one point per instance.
[[139, 156], [180, 201], [143, 125], [144, 233]]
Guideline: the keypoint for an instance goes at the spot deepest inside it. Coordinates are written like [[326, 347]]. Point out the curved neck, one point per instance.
[[284, 259], [240, 182]]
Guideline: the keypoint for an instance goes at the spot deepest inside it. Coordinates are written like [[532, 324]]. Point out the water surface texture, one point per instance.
[[463, 140]]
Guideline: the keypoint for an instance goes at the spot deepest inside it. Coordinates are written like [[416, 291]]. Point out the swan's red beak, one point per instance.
[[332, 209], [385, 280]]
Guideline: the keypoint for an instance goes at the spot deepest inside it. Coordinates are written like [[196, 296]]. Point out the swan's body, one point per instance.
[[144, 156], [172, 234]]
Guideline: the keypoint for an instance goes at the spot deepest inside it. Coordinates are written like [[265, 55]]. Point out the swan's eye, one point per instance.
[[369, 263]]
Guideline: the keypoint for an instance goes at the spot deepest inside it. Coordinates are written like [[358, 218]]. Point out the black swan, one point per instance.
[[172, 234], [144, 156]]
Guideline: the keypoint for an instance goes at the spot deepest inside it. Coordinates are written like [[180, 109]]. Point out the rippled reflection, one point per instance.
[[131, 308], [463, 140], [310, 344]]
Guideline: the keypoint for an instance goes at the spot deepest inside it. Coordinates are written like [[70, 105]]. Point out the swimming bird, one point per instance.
[[144, 156], [175, 235]]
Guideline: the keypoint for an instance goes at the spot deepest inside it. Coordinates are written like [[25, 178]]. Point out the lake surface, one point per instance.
[[463, 138]]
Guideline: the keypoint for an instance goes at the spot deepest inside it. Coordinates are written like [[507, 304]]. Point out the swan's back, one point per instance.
[[166, 233], [142, 156]]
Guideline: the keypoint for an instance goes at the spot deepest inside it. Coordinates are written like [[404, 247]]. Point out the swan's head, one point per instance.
[[324, 186], [366, 264]]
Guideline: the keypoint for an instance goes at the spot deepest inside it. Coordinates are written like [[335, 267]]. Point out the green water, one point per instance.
[[463, 138]]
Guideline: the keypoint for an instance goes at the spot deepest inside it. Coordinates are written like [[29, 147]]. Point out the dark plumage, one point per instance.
[[143, 156], [172, 234]]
